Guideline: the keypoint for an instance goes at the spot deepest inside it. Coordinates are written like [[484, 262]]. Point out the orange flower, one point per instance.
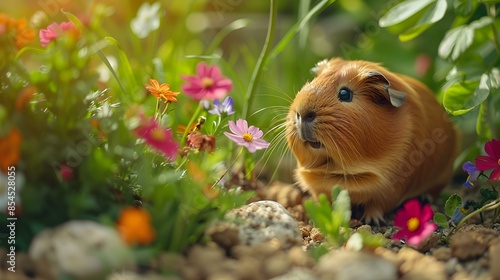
[[19, 29], [24, 97], [135, 227], [9, 149], [161, 91]]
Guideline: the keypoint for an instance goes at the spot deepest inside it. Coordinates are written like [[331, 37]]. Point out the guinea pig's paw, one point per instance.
[[373, 216]]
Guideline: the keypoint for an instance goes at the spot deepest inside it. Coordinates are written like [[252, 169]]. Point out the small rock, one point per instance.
[[298, 273], [347, 265], [442, 254], [316, 235], [264, 220], [472, 243], [364, 228], [224, 234], [429, 243], [418, 266], [276, 265], [206, 258], [452, 266], [82, 249], [299, 257], [494, 264]]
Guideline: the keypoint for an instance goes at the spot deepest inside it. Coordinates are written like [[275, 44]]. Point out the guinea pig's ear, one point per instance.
[[320, 66], [396, 97]]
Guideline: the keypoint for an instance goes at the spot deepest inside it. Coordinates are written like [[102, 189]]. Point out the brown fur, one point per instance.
[[380, 153]]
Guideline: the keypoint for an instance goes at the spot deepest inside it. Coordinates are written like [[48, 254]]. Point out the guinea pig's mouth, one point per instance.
[[314, 145]]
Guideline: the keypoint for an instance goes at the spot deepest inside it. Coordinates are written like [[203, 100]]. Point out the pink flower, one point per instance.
[[492, 160], [415, 222], [158, 138], [55, 30], [208, 83], [66, 173], [246, 136]]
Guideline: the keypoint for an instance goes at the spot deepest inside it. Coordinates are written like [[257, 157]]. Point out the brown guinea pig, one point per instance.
[[382, 136]]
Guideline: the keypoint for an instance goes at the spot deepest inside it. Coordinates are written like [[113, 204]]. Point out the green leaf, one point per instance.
[[403, 11], [451, 204], [462, 97], [433, 14], [280, 46], [342, 205], [440, 220], [483, 131], [456, 41], [464, 8]]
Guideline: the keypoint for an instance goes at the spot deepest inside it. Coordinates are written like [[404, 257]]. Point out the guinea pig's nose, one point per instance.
[[308, 117]]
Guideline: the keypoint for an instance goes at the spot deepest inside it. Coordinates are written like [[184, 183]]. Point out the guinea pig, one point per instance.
[[379, 135]]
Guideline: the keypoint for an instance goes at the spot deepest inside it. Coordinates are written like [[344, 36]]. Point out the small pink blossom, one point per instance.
[[55, 30], [246, 136], [158, 137], [66, 173], [415, 222], [208, 83]]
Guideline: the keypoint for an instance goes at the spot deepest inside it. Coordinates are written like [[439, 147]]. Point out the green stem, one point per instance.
[[229, 167], [493, 13], [257, 71], [490, 206], [191, 121]]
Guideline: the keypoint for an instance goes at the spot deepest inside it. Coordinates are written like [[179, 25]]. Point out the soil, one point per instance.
[[472, 252]]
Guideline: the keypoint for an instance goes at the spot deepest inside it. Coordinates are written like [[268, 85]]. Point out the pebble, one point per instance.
[[419, 266], [81, 249], [494, 262], [442, 253], [265, 220], [298, 273], [354, 265], [471, 244]]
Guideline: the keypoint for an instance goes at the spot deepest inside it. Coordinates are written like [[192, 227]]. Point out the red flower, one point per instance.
[[415, 222], [158, 138], [492, 160], [208, 83]]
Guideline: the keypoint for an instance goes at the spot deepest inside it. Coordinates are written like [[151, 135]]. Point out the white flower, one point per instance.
[[147, 19]]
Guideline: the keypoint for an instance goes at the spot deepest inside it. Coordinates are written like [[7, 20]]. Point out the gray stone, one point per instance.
[[298, 273], [354, 265], [81, 249], [265, 220]]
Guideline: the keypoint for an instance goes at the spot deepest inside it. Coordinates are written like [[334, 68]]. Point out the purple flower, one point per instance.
[[471, 169], [225, 108], [246, 136], [415, 222]]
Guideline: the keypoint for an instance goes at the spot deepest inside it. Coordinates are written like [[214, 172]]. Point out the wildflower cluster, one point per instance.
[[89, 147]]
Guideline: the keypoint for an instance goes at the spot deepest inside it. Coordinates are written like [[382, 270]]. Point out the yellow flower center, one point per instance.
[[247, 137], [157, 134], [499, 161], [413, 224], [207, 82]]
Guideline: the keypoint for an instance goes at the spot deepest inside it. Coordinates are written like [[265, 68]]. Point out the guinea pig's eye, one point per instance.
[[345, 95]]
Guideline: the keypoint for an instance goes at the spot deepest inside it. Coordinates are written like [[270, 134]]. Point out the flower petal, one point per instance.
[[236, 138], [484, 163], [492, 148], [242, 125], [401, 218], [413, 208], [427, 214], [427, 230], [260, 143], [495, 175]]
